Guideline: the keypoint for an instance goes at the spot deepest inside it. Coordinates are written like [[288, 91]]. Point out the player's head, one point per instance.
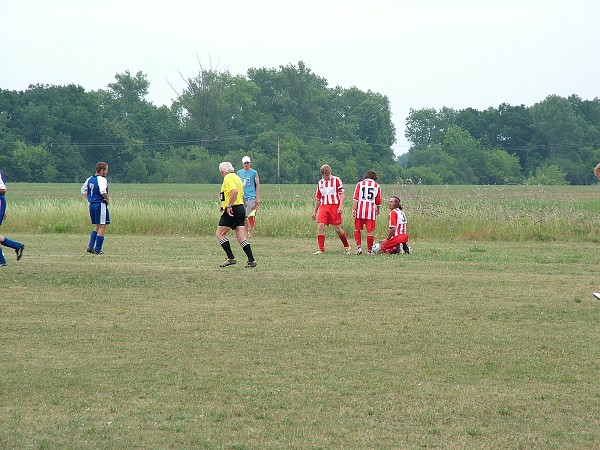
[[101, 168], [395, 202], [326, 171], [597, 171], [371, 175], [226, 167], [246, 161]]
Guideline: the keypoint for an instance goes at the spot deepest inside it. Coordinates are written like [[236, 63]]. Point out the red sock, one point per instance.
[[344, 240], [321, 239], [370, 240], [358, 238]]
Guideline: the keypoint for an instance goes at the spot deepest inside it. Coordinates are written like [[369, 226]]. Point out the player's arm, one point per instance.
[[354, 207], [103, 187], [84, 189], [341, 205], [257, 183], [316, 210], [233, 195]]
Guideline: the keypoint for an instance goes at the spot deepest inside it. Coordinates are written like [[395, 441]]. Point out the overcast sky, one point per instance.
[[419, 53]]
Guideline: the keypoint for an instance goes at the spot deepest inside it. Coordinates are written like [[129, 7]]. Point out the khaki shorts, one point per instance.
[[250, 205]]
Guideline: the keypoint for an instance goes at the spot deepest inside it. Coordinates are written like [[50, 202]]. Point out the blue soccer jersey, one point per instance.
[[249, 181], [94, 187]]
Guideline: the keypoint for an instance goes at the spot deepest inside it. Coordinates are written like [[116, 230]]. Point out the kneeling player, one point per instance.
[[397, 240]]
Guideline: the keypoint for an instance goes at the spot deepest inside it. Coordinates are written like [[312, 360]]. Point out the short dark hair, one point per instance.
[[372, 175], [101, 166]]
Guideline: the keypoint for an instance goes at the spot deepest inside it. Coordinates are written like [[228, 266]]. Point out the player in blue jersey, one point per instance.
[[17, 246], [95, 190], [251, 184]]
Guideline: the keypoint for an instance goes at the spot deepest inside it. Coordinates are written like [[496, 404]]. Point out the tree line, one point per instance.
[[554, 141], [288, 119], [291, 122]]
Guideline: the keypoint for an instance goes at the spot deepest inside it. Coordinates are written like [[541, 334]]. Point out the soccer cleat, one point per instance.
[[19, 251], [228, 262], [2, 265], [407, 249], [346, 250], [89, 250], [99, 253], [596, 294], [370, 254], [250, 264], [359, 250], [318, 252]]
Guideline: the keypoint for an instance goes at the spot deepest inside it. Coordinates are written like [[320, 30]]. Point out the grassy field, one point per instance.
[[511, 213], [467, 343]]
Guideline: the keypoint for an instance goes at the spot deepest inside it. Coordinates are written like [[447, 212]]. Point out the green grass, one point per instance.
[[465, 344], [486, 337], [499, 213]]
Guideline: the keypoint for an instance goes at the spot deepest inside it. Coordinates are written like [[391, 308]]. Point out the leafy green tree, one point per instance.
[[33, 164], [551, 174], [499, 168]]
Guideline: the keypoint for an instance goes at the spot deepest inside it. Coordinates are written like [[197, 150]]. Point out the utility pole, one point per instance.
[[277, 159]]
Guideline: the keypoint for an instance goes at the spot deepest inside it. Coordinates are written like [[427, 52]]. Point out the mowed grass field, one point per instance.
[[480, 339]]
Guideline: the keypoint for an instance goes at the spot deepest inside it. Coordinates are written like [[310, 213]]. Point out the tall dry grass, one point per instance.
[[512, 213]]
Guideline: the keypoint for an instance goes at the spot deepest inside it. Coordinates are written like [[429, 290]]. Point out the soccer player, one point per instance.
[[365, 209], [397, 237], [16, 246], [251, 184], [234, 216], [95, 191], [329, 205]]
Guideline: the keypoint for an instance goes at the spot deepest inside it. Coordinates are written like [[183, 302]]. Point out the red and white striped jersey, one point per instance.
[[368, 195], [328, 192], [397, 221]]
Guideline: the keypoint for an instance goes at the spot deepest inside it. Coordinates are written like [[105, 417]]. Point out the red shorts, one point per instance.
[[369, 224], [328, 214], [389, 245]]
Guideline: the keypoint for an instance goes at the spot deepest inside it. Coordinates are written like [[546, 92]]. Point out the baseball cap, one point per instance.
[[245, 159]]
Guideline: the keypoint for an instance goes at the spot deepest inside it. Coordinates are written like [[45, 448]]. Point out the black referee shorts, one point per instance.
[[237, 220]]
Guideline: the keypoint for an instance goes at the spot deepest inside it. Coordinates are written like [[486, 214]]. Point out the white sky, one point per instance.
[[419, 53]]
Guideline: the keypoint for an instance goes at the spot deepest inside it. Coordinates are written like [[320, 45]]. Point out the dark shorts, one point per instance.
[[99, 213], [2, 209], [237, 220]]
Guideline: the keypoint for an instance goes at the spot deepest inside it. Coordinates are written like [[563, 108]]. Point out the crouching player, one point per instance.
[[397, 240]]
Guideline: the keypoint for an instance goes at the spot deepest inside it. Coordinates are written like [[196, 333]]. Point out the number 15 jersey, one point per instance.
[[368, 195]]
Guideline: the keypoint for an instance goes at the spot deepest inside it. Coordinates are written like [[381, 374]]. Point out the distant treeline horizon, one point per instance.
[[290, 122]]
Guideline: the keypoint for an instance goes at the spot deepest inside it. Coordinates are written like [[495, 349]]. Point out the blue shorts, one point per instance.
[[99, 213], [2, 209]]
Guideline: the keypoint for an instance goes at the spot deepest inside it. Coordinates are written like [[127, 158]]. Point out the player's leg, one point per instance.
[[320, 236], [370, 225], [240, 235], [2, 258], [100, 233], [342, 235], [222, 238], [250, 206], [390, 245], [358, 235], [17, 246]]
